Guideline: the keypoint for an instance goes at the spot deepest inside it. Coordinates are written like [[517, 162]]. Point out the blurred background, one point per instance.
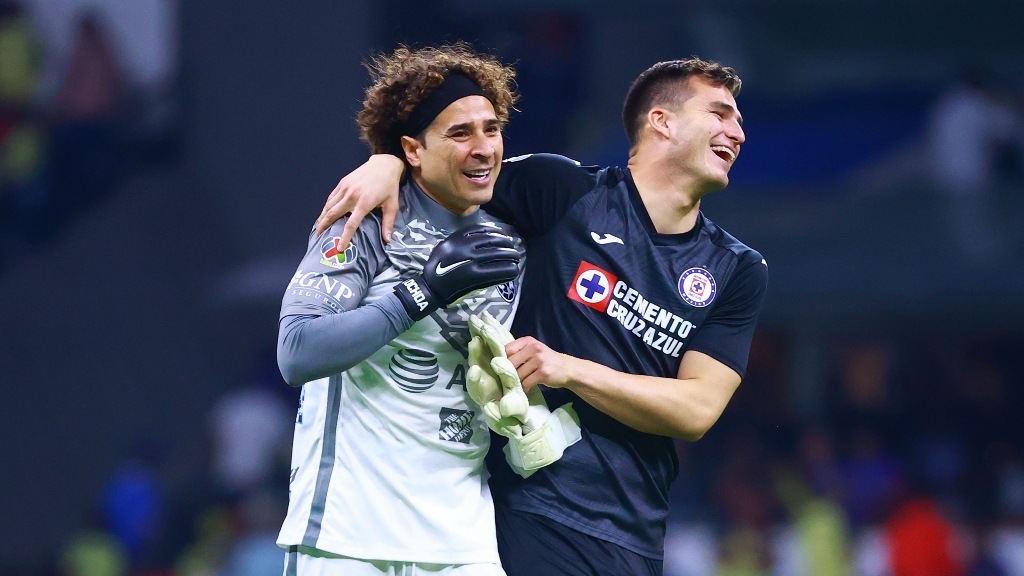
[[162, 161]]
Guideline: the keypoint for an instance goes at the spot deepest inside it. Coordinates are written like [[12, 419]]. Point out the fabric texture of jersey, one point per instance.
[[605, 286], [387, 459]]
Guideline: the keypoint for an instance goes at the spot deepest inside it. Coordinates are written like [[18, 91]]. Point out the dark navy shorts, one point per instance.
[[534, 545]]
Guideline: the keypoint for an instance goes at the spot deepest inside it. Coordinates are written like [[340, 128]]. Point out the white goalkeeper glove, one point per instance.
[[537, 436]]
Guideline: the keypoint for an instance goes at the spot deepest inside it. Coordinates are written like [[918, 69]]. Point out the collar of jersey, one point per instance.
[[645, 218], [439, 216]]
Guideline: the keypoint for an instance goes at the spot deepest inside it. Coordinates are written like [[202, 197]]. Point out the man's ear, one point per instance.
[[658, 119], [412, 147]]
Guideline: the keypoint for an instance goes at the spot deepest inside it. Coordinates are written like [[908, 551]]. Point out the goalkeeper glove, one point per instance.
[[469, 259], [537, 436]]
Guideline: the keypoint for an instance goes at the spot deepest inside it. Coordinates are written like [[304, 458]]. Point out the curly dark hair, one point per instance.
[[402, 79], [659, 85]]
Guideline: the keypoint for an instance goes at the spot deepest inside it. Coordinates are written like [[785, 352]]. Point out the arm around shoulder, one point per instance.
[[374, 183]]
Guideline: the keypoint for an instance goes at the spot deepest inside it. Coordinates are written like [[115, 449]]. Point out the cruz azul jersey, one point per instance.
[[603, 285], [387, 458]]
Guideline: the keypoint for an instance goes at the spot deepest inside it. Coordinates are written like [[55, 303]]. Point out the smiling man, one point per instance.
[[388, 456], [635, 307]]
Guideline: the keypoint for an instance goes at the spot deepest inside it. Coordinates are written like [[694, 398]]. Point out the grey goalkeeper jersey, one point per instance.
[[388, 453]]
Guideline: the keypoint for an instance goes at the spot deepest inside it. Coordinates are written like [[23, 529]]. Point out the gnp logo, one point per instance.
[[592, 286], [333, 256]]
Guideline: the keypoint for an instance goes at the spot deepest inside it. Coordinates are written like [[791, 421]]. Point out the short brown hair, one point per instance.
[[659, 85], [402, 79]]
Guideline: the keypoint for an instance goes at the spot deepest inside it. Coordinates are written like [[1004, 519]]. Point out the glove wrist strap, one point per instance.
[[546, 444], [416, 297]]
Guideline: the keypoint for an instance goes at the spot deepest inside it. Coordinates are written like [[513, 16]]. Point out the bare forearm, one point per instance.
[[665, 406]]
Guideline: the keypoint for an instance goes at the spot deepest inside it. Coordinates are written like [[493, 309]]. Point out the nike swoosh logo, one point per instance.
[[606, 239], [441, 269]]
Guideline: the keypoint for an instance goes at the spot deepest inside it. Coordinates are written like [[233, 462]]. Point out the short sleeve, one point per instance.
[[727, 333], [331, 280]]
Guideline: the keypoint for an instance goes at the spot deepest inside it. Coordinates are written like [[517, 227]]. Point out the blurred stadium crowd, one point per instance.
[[903, 456], [912, 467], [85, 98]]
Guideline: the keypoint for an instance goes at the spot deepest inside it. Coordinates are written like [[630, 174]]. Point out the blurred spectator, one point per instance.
[[251, 427], [205, 555], [690, 550], [820, 524], [744, 551], [88, 117], [871, 477], [19, 56], [971, 127], [871, 553], [93, 552], [87, 94], [22, 134], [1009, 484], [142, 34], [922, 541], [133, 504], [981, 561], [941, 457], [749, 506], [865, 377], [255, 551], [1005, 542], [819, 466], [1007, 548]]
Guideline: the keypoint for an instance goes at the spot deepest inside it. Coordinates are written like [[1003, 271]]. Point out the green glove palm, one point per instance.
[[537, 436]]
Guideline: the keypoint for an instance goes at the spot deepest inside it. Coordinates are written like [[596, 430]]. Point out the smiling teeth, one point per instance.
[[477, 173], [727, 150]]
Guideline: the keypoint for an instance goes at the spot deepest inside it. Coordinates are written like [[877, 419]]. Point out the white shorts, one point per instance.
[[299, 564]]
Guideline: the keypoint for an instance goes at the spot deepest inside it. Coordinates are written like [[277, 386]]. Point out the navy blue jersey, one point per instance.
[[602, 284]]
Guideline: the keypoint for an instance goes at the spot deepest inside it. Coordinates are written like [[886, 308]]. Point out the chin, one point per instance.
[[482, 196], [715, 184]]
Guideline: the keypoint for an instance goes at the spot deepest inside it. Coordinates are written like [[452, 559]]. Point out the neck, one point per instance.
[[439, 199], [672, 199]]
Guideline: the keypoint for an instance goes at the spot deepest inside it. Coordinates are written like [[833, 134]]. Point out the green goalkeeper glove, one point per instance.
[[537, 436]]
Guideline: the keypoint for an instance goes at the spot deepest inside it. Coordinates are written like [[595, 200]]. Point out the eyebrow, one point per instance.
[[469, 125], [728, 108]]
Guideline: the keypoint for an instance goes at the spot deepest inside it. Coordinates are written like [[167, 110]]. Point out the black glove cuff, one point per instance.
[[416, 298]]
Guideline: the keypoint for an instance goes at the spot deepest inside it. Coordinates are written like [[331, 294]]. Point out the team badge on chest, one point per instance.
[[697, 287]]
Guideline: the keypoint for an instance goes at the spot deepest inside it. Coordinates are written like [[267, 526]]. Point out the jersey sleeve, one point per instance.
[[533, 192], [325, 328], [728, 331]]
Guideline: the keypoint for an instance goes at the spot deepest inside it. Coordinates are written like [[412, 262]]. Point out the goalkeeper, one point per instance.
[[387, 473]]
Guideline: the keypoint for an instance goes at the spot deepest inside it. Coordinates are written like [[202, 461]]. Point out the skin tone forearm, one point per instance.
[[374, 183], [685, 407]]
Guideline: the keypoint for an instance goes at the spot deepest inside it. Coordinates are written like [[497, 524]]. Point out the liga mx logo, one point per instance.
[[697, 287], [592, 286], [333, 255]]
